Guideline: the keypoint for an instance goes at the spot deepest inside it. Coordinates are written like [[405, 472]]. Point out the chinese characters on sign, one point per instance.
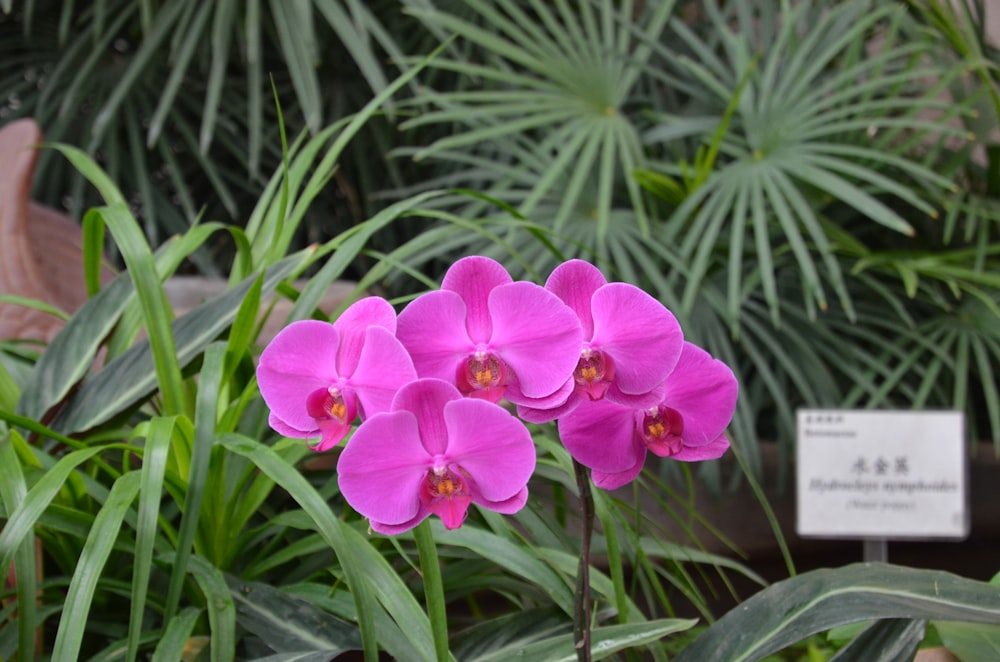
[[879, 474]]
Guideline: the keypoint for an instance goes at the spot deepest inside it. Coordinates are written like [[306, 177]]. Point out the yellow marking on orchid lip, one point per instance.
[[589, 373], [446, 488], [656, 429], [484, 376], [337, 410]]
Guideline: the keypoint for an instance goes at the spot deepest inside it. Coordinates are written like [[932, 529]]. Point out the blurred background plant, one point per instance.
[[811, 187]]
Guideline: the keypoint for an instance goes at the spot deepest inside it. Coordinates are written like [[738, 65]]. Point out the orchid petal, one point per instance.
[[491, 446], [332, 433], [575, 282], [427, 399], [473, 278], [394, 529], [612, 481], [637, 401], [710, 451], [432, 328], [383, 368], [703, 390], [298, 361], [452, 511], [537, 335], [601, 435], [351, 325], [381, 469], [545, 410], [507, 506], [287, 430], [639, 333]]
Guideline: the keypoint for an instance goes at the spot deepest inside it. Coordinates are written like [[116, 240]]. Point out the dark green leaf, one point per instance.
[[288, 624], [812, 602]]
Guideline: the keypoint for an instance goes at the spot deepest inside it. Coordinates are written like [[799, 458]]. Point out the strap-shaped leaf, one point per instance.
[[812, 602], [95, 554], [130, 377], [289, 624], [605, 641]]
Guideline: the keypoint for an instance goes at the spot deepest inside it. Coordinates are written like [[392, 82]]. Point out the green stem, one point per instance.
[[581, 619], [433, 589]]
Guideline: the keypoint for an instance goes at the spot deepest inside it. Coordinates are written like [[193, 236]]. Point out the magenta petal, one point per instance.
[[395, 529], [473, 278], [287, 430], [332, 433], [351, 325], [537, 335], [426, 399], [489, 444], [452, 511], [639, 333], [704, 391], [575, 282], [539, 411], [299, 360], [507, 506], [710, 451], [382, 468], [601, 435], [612, 481], [383, 368], [432, 328], [637, 401]]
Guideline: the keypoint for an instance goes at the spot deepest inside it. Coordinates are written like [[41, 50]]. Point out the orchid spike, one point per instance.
[[631, 342], [435, 451], [317, 377], [492, 337], [688, 423]]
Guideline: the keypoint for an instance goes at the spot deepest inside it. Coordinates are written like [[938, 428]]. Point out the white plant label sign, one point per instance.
[[881, 474]]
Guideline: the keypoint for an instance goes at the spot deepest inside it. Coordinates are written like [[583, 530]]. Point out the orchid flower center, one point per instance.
[[483, 375], [327, 405], [447, 494], [661, 431], [593, 374]]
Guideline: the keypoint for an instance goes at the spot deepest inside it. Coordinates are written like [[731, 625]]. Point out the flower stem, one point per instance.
[[581, 619], [433, 589]]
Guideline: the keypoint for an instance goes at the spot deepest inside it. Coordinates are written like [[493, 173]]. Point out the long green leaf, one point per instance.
[[22, 519], [206, 410], [71, 353], [290, 624], [812, 602], [154, 464], [176, 635], [96, 550], [155, 307], [13, 491], [367, 573], [888, 640], [605, 641], [220, 606], [129, 378]]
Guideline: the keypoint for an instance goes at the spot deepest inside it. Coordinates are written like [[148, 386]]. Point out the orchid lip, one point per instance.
[[594, 373], [483, 375], [661, 431]]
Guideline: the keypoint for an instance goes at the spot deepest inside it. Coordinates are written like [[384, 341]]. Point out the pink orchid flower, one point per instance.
[[317, 377], [492, 337], [631, 342], [688, 424], [436, 452]]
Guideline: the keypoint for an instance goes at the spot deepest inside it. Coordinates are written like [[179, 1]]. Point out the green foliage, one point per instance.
[[812, 602], [788, 177]]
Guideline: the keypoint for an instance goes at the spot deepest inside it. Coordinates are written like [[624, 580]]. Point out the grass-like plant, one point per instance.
[[785, 176]]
